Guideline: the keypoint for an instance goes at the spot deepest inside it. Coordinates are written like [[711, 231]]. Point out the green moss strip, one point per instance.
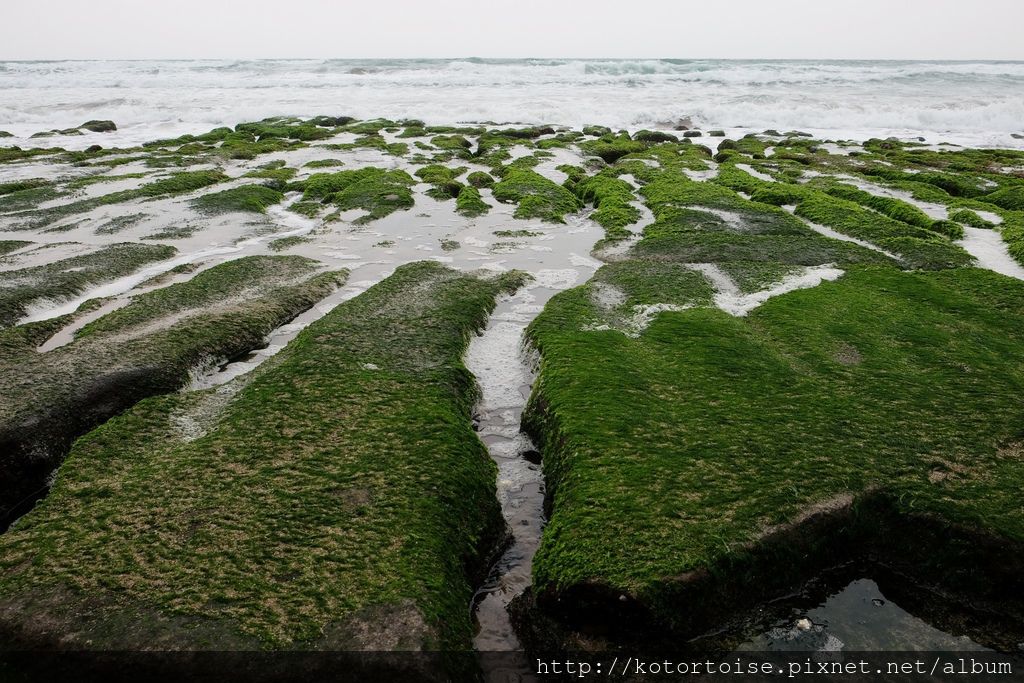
[[7, 246], [69, 277], [247, 198], [145, 348]]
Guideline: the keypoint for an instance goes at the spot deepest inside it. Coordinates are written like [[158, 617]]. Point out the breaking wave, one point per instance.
[[976, 102]]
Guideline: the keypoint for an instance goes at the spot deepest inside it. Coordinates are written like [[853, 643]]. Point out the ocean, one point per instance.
[[970, 103]]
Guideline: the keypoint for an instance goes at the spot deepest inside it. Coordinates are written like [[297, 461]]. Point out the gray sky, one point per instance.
[[839, 29]]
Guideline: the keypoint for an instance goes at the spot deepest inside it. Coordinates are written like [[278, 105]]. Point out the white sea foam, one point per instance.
[[971, 103]]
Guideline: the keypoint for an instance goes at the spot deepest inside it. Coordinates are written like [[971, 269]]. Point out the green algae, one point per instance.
[[470, 204], [324, 163], [613, 198], [7, 246], [517, 233], [893, 208], [64, 279], [917, 247], [437, 174], [308, 209], [121, 222], [278, 173], [148, 347], [748, 423], [535, 195], [246, 198], [968, 217], [339, 499], [480, 179], [377, 191], [611, 148], [23, 195], [285, 243]]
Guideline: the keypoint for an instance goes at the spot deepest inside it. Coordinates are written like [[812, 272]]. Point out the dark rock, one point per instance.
[[5, 134], [655, 136], [331, 121], [99, 126], [693, 134], [532, 456], [717, 133], [1017, 136], [93, 148]]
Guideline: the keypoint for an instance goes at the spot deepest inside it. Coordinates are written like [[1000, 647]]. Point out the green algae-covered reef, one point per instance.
[[150, 346], [337, 500], [794, 354]]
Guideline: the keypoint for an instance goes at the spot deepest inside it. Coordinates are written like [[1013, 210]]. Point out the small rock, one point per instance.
[[5, 134], [692, 134], [370, 366], [717, 133], [93, 148], [804, 624], [877, 602], [1017, 136], [623, 598]]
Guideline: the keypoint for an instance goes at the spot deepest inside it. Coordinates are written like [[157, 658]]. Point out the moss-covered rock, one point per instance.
[[1011, 198], [67, 278], [375, 190], [99, 126], [245, 198], [346, 502], [480, 179], [611, 148], [470, 204], [968, 217], [536, 196], [613, 198], [145, 348], [654, 136], [838, 415]]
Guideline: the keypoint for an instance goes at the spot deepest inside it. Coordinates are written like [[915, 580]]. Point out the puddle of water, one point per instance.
[[730, 299], [858, 617], [746, 168], [297, 225]]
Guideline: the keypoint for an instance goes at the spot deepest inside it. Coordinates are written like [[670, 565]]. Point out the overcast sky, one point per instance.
[[812, 29]]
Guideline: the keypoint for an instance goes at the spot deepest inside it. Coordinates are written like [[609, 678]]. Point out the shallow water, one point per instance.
[[857, 617], [988, 247]]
